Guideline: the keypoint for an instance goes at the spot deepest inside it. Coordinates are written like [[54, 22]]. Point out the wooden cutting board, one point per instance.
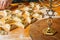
[[37, 28]]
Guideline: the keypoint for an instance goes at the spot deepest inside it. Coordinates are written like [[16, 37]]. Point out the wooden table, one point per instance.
[[37, 28]]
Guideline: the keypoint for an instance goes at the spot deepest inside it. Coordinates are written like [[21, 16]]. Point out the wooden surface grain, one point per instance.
[[37, 28]]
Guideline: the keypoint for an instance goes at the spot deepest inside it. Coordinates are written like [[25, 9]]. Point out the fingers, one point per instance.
[[4, 4], [7, 4], [1, 4]]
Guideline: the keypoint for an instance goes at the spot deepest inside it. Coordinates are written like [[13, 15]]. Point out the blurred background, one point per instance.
[[17, 1]]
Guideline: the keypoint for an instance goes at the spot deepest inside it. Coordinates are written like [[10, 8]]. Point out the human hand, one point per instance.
[[4, 3]]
